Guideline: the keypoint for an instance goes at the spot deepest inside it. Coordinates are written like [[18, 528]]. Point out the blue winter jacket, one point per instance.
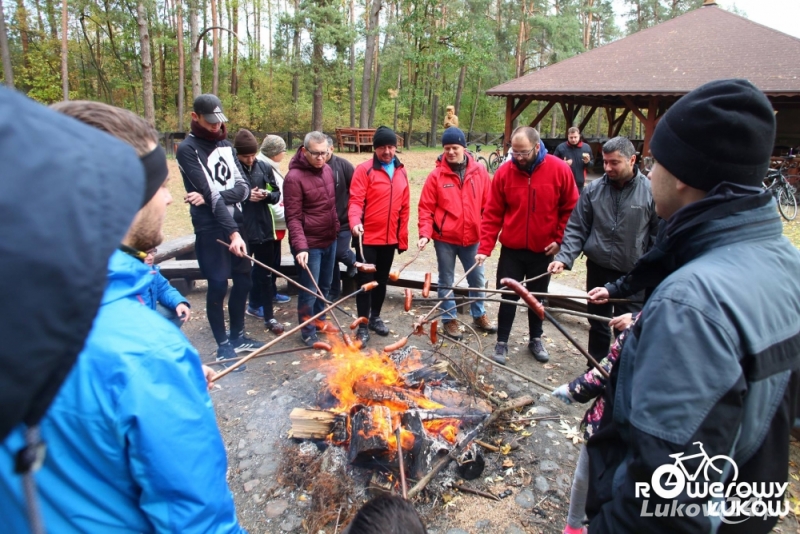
[[710, 360], [160, 291], [132, 440]]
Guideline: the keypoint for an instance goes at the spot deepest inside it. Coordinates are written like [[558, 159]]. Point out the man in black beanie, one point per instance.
[[708, 370]]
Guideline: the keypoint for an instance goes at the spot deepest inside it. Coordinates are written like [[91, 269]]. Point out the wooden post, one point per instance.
[[509, 121]]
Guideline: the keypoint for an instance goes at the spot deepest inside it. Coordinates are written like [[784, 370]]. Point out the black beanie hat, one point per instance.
[[384, 136], [245, 142], [454, 136], [723, 131]]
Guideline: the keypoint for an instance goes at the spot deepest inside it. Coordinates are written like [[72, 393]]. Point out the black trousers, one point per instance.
[[261, 293], [600, 333], [520, 264], [369, 304]]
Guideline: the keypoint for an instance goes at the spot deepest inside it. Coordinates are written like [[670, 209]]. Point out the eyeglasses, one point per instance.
[[317, 154], [521, 154]]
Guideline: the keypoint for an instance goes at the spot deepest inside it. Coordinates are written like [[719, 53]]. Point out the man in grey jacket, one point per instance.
[[613, 224]]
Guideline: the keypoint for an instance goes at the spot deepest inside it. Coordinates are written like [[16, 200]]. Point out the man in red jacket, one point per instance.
[[531, 200], [378, 211], [308, 199], [450, 209]]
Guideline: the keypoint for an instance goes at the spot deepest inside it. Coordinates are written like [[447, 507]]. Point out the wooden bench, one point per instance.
[[358, 138]]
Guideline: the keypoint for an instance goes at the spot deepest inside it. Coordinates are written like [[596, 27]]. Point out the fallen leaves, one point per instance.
[[571, 432]]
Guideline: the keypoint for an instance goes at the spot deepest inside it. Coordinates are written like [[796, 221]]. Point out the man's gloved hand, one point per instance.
[[562, 394]]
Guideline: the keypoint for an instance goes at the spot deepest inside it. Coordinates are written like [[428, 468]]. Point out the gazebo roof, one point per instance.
[[672, 58]]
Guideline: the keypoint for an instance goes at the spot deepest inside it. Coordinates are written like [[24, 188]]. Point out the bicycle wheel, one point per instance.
[[494, 162], [721, 459], [482, 161], [787, 204]]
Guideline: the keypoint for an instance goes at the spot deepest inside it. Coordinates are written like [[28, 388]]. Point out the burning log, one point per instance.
[[371, 430], [397, 396], [455, 399]]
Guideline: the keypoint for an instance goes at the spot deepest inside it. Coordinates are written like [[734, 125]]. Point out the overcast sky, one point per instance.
[[782, 15]]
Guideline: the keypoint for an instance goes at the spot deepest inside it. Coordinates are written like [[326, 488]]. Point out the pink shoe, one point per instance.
[[569, 530]]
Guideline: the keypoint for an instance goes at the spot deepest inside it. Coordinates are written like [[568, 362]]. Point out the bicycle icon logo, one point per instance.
[[677, 474]]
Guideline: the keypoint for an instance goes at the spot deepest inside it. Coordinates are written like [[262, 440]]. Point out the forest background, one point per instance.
[[300, 65]]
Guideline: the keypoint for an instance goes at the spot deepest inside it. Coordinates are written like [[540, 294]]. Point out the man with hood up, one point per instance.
[[132, 439]]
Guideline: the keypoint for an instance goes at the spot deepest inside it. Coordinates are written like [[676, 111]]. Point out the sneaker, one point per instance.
[[451, 330], [245, 344], [500, 352], [482, 323], [377, 326], [310, 340], [281, 299], [255, 312], [274, 326], [537, 349], [225, 352], [570, 530], [362, 334], [325, 326]]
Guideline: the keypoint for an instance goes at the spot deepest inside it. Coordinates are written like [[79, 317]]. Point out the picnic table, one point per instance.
[[358, 138]]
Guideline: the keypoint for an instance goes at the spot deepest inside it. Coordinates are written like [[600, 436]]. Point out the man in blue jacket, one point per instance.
[[132, 439], [707, 376]]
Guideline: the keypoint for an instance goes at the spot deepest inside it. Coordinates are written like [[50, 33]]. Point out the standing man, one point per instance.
[[578, 156], [531, 200], [450, 209], [310, 205], [259, 226], [614, 223], [132, 439], [710, 366], [378, 210], [342, 176], [215, 188]]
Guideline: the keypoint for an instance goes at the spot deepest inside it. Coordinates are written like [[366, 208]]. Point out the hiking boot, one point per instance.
[[482, 323], [537, 349], [450, 329], [362, 335], [377, 326], [325, 326], [281, 299], [245, 344], [225, 352], [500, 352], [310, 340], [274, 326], [255, 312]]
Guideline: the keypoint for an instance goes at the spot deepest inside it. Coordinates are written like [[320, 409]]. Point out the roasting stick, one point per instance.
[[333, 313], [275, 353], [449, 293], [395, 275], [576, 344], [366, 287], [515, 303], [288, 280], [400, 461], [535, 294], [363, 266]]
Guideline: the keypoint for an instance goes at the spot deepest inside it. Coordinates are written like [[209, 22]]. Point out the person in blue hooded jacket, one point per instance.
[[164, 298], [132, 439]]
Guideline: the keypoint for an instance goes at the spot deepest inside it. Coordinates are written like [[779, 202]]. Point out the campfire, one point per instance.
[[370, 401]]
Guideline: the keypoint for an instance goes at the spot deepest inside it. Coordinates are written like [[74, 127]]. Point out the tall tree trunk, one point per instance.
[[181, 62], [475, 107], [316, 105], [296, 57], [147, 68], [434, 105], [64, 50], [460, 88], [51, 18], [8, 72], [397, 95], [235, 59], [214, 49], [353, 68], [39, 18], [415, 79], [22, 23], [373, 28], [194, 33]]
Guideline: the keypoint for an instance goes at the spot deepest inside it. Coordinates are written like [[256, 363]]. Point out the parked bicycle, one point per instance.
[[776, 182], [496, 159], [480, 159]]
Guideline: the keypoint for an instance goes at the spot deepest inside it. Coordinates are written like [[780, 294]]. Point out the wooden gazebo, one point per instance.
[[648, 71]]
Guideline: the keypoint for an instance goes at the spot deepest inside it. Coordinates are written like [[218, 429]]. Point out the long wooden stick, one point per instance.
[[534, 293], [576, 344], [513, 302], [465, 489], [275, 353], [445, 460], [366, 287], [333, 313], [400, 461], [449, 293]]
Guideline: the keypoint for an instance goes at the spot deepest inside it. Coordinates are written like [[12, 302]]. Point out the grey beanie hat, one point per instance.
[[272, 146]]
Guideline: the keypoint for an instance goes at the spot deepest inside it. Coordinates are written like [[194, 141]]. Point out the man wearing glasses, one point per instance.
[[309, 203], [530, 201]]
